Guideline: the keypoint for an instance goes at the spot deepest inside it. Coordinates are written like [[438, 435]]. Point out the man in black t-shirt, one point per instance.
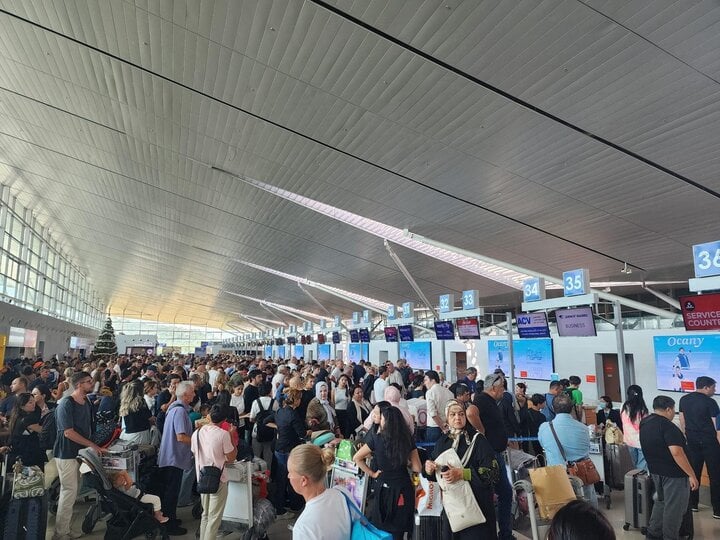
[[491, 421], [698, 413], [663, 445]]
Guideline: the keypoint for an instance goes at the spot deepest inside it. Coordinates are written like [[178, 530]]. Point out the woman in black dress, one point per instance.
[[393, 506], [24, 427], [482, 471]]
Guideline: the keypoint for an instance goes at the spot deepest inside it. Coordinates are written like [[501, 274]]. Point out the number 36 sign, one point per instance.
[[706, 258]]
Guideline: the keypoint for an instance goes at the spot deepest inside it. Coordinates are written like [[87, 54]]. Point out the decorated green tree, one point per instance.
[[105, 343]]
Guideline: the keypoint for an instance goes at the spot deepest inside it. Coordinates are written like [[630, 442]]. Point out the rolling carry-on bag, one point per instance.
[[428, 527], [638, 500], [26, 519], [617, 464]]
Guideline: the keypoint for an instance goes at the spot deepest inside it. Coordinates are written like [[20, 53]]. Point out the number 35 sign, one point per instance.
[[706, 258]]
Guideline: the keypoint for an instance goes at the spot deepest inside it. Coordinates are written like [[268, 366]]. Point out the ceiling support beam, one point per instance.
[[315, 300], [408, 276], [286, 312], [664, 314], [664, 297], [274, 314]]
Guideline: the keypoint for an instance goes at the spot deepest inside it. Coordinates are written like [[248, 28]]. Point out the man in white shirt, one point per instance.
[[212, 373], [278, 379], [394, 376], [437, 397], [380, 384]]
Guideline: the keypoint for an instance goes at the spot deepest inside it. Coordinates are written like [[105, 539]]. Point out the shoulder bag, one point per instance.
[[209, 481], [361, 528], [584, 469], [461, 506]]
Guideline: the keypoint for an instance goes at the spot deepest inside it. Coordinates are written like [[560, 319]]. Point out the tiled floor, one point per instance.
[[705, 526]]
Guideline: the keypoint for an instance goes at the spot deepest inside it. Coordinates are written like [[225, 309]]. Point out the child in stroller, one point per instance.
[[130, 517], [121, 481]]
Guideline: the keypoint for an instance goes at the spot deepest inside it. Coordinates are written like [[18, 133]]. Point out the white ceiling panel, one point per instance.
[[550, 135]]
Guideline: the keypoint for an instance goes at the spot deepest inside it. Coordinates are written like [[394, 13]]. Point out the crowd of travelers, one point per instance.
[[216, 409]]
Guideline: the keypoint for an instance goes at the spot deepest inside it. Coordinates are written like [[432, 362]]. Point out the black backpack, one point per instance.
[[264, 432]]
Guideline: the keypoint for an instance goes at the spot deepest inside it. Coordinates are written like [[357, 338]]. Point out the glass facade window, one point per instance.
[[35, 272]]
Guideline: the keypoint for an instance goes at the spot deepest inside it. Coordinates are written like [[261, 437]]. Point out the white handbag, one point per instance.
[[459, 502]]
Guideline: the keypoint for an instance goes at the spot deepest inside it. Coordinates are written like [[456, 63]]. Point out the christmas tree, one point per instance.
[[105, 343]]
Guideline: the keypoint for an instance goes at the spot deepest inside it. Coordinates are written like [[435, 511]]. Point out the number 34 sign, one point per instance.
[[706, 258]]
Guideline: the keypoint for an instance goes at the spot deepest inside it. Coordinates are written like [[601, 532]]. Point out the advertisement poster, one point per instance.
[[324, 352], [682, 358], [417, 354], [267, 352], [298, 351], [533, 357], [358, 351]]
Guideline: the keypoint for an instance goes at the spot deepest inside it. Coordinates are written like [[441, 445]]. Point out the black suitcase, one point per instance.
[[26, 519], [428, 528], [617, 464]]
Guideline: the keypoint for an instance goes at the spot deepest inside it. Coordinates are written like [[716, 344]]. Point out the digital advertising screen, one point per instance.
[[16, 337], [324, 352], [267, 351], [444, 330], [280, 351], [358, 351], [575, 322], [406, 332], [533, 357], [298, 351], [468, 328], [682, 358], [417, 354], [391, 334]]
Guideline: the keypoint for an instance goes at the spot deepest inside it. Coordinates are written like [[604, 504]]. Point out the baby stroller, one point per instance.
[[130, 518]]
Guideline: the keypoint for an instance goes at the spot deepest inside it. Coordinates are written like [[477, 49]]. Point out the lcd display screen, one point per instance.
[[468, 328], [444, 330], [391, 334], [417, 354], [406, 333], [354, 336], [533, 357], [364, 335], [575, 322]]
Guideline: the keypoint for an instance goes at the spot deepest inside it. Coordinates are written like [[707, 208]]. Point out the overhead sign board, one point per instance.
[[407, 309], [706, 259], [576, 282], [470, 299], [533, 289], [447, 303], [532, 325], [391, 314], [701, 312]]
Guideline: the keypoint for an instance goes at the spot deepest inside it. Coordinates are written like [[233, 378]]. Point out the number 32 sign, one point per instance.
[[706, 258]]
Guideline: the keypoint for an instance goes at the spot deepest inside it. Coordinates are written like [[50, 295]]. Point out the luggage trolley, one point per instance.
[[538, 526]]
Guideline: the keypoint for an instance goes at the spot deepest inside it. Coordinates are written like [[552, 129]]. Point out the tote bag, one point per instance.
[[461, 507]]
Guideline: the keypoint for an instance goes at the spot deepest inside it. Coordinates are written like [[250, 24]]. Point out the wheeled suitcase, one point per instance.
[[618, 462], [26, 519], [428, 528], [638, 500]]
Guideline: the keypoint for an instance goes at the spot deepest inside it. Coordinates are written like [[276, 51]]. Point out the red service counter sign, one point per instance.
[[701, 312]]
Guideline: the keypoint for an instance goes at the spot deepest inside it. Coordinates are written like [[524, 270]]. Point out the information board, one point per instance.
[[682, 358]]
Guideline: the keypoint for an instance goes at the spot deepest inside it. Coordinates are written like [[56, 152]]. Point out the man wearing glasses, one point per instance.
[[74, 425]]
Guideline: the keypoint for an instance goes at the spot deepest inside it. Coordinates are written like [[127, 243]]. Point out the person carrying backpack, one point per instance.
[[261, 413]]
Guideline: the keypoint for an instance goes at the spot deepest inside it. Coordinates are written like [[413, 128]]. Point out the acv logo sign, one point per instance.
[[689, 305]]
